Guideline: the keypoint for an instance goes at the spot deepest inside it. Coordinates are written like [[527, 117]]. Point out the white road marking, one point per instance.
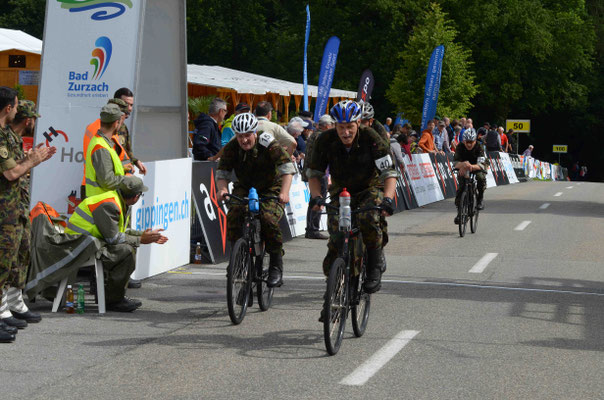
[[544, 206], [521, 226], [558, 194], [369, 368], [482, 263], [570, 187]]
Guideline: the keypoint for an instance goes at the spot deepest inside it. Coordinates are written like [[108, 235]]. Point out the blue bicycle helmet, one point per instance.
[[346, 111]]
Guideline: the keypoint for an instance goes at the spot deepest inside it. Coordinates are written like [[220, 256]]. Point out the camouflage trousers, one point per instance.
[[271, 213], [481, 185], [371, 224], [14, 254]]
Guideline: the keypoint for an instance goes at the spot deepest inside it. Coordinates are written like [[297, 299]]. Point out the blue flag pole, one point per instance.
[[328, 68], [305, 58], [432, 85]]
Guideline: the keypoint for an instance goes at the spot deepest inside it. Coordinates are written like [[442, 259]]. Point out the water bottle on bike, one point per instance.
[[345, 213], [253, 202]]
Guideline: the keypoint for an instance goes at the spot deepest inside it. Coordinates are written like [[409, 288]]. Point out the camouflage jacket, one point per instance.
[[379, 128], [126, 142], [362, 166], [310, 142], [14, 195], [261, 167]]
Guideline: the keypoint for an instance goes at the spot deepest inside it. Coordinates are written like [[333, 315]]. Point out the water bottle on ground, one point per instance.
[[81, 296], [69, 300], [345, 222], [197, 259]]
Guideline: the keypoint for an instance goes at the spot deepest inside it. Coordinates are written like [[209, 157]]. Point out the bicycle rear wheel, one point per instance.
[[265, 294], [239, 281], [361, 301], [335, 308], [462, 212], [473, 212]]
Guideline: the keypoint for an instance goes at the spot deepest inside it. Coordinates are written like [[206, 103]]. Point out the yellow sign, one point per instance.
[[560, 148], [518, 125]]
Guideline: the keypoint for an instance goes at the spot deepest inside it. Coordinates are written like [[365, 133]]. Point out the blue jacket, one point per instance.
[[206, 139]]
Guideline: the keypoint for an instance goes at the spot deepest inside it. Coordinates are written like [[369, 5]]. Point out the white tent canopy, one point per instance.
[[245, 82], [11, 39]]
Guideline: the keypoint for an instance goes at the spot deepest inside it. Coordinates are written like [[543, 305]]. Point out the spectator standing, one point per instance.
[[426, 143], [15, 120], [124, 136], [529, 151], [207, 136], [441, 138], [227, 132], [388, 124], [264, 113], [493, 141], [505, 143], [295, 127], [450, 129], [513, 140]]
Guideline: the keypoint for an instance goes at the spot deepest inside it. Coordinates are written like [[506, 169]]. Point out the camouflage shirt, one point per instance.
[[126, 143], [362, 166], [379, 128], [261, 167], [14, 195]]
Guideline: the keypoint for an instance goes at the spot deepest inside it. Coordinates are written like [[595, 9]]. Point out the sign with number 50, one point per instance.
[[518, 125]]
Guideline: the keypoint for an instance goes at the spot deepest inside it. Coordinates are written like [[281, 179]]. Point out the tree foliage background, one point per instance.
[[514, 59]]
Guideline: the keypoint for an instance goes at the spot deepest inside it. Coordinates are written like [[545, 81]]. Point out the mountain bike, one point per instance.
[[345, 286], [467, 210], [246, 268]]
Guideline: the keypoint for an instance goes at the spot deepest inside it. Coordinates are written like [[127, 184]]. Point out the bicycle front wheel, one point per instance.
[[473, 211], [265, 294], [462, 212], [335, 308], [239, 281], [361, 301]]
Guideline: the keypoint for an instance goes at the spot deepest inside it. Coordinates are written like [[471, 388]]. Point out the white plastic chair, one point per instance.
[[100, 285]]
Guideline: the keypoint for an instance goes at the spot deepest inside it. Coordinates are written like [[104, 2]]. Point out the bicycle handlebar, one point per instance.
[[242, 200]]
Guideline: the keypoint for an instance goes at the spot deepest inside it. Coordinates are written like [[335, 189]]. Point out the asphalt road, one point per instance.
[[515, 311]]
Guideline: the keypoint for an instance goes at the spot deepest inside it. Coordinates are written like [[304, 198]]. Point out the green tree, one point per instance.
[[23, 15], [457, 80]]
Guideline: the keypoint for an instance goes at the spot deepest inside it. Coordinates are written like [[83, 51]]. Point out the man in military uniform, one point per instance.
[[14, 208], [469, 156], [127, 97], [368, 120], [358, 160], [105, 216], [260, 162]]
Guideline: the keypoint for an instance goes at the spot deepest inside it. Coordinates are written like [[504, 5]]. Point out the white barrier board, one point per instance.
[[423, 179], [508, 167]]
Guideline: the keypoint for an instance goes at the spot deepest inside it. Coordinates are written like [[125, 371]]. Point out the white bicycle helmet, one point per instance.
[[243, 123], [368, 111], [469, 134]]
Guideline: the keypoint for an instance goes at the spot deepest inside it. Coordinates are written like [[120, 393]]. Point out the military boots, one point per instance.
[[375, 264], [275, 270]]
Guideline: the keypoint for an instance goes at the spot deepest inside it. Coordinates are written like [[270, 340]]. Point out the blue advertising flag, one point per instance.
[[432, 85], [328, 68], [305, 58]]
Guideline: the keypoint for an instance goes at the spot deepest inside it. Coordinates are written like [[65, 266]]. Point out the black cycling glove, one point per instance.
[[388, 205], [316, 201]]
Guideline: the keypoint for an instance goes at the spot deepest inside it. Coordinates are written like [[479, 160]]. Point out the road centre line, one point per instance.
[[558, 194], [544, 206], [370, 367], [482, 263], [570, 187], [521, 226], [425, 283]]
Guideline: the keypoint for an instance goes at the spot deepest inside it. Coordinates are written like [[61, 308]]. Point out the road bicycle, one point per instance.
[[345, 291], [246, 268], [467, 209]]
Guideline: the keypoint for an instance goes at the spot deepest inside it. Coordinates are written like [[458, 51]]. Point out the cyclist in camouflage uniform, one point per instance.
[[358, 160], [14, 207], [258, 161]]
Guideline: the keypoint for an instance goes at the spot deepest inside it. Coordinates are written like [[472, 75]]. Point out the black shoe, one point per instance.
[[28, 316], [373, 281], [136, 302], [6, 337], [480, 206], [316, 235], [275, 270], [17, 323], [456, 220], [134, 284], [124, 305], [322, 316], [7, 328]]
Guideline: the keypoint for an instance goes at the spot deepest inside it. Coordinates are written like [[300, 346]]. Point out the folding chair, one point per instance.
[[100, 287]]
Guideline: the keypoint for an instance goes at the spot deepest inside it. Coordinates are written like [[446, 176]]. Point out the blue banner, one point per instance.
[[432, 85], [306, 108], [328, 68]]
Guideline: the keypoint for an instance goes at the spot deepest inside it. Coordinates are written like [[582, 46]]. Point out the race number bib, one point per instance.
[[265, 139], [384, 163]]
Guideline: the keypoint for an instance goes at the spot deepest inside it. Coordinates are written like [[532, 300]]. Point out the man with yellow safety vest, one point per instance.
[[105, 216]]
